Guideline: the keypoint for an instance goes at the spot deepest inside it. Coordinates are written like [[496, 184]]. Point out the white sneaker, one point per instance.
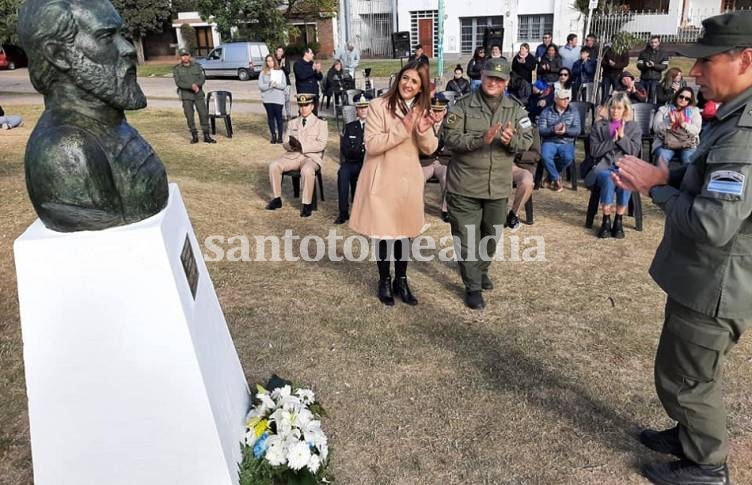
[[5, 126]]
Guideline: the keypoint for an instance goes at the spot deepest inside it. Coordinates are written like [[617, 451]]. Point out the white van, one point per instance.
[[243, 60]]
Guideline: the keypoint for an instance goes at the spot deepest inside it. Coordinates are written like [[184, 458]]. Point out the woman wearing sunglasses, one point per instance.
[[565, 79], [677, 127]]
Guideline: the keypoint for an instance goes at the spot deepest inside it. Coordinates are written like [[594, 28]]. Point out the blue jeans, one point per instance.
[[474, 84], [608, 188], [549, 151], [650, 86], [667, 154]]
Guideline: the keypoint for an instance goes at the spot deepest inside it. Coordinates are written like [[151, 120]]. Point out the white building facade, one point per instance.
[[465, 22]]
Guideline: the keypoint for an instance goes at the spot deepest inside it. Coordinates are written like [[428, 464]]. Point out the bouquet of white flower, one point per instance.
[[284, 443]]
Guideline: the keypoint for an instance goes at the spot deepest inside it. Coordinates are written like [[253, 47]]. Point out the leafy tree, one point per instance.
[[8, 20], [142, 17], [265, 20]]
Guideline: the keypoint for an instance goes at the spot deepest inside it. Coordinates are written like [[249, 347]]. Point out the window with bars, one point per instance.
[[532, 27], [657, 6], [472, 28]]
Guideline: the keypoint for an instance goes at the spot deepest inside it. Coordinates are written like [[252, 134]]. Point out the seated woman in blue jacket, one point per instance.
[[610, 139]]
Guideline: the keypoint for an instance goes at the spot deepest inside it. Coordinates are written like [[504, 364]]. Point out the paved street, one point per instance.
[[16, 88]]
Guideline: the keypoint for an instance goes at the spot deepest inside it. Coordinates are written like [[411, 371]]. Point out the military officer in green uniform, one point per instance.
[[189, 78], [704, 262], [483, 131]]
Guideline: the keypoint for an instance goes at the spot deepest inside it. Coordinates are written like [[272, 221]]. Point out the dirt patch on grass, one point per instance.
[[549, 385]]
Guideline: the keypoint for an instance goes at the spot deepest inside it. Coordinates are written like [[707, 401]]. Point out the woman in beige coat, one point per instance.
[[388, 202]]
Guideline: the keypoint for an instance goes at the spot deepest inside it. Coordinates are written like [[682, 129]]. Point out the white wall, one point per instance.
[[566, 19]]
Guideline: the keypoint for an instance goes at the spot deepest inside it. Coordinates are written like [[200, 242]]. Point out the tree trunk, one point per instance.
[[138, 43]]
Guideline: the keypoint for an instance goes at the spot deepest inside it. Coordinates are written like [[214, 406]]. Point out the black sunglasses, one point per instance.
[[686, 98], [563, 74]]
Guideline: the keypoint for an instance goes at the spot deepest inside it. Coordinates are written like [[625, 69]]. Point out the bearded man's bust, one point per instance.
[[86, 167]]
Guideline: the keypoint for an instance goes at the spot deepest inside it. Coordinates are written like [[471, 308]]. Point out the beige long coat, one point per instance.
[[388, 199]]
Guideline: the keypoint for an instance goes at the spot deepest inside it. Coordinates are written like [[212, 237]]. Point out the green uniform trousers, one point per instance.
[[203, 113], [688, 378], [473, 219]]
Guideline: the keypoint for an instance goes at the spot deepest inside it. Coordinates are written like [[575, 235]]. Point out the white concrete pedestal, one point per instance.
[[130, 380]]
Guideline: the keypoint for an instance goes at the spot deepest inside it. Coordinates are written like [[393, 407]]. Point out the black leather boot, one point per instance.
[[617, 230], [402, 289], [306, 210], [208, 139], [474, 300], [485, 282], [274, 204], [385, 291], [666, 441], [685, 472], [605, 230], [194, 136]]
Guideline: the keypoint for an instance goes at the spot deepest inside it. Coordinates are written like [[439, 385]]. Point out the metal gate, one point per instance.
[[370, 26]]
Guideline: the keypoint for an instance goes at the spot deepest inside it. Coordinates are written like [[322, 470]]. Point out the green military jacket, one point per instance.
[[187, 76], [705, 258], [476, 169]]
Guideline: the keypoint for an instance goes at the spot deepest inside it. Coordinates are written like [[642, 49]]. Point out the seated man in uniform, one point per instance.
[[305, 144], [435, 164], [352, 150]]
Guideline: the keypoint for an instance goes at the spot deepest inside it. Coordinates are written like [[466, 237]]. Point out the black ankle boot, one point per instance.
[[194, 136], [605, 230], [617, 230], [208, 139], [306, 210], [273, 140], [402, 289], [274, 204], [385, 291]]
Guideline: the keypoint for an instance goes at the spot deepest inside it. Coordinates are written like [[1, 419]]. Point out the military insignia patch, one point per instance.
[[726, 182], [452, 120], [525, 122]]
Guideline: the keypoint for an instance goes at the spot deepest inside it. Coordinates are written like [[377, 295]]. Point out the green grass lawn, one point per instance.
[[549, 385], [383, 68]]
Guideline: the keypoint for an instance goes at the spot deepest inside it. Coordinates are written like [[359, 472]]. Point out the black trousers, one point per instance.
[[347, 177]]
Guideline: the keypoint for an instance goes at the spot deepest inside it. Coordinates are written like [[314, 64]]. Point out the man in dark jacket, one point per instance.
[[307, 77], [583, 72], [651, 63], [352, 152], [636, 93], [540, 51], [419, 56], [612, 66], [279, 53], [189, 78]]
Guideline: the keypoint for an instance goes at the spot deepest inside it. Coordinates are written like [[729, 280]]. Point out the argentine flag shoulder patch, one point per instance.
[[726, 182]]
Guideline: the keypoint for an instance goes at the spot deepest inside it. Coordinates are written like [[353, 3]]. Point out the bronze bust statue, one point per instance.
[[86, 167]]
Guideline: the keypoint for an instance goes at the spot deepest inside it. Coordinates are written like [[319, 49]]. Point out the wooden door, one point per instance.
[[425, 36]]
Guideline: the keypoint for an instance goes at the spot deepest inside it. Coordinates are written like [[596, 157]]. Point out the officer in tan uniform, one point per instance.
[[704, 262], [305, 143]]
